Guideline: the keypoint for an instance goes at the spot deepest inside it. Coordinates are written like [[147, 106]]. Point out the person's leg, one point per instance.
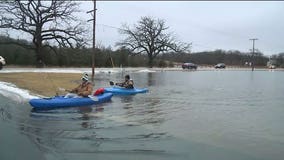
[[70, 95]]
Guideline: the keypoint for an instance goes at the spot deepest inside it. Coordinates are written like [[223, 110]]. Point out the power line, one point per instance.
[[109, 26], [113, 27], [193, 43]]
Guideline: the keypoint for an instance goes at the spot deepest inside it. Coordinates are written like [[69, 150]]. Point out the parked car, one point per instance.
[[220, 65], [272, 67], [189, 66], [2, 62]]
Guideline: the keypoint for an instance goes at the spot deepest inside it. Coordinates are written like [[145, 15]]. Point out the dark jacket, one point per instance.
[[127, 84]]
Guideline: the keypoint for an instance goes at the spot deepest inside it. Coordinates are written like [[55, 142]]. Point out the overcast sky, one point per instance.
[[208, 25]]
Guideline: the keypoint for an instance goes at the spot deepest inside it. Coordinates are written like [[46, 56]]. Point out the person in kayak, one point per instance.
[[128, 83], [84, 89]]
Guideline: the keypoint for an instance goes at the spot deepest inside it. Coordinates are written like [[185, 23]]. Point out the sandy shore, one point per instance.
[[46, 84]]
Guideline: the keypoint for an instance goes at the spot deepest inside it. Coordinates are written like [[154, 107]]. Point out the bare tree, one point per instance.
[[149, 36], [47, 22]]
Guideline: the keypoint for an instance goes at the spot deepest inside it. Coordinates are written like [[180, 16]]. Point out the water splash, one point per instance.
[[11, 91]]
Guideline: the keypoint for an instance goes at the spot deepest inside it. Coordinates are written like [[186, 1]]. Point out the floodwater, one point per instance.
[[204, 115]]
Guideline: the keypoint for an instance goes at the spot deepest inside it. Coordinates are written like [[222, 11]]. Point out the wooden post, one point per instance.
[[252, 59], [94, 42]]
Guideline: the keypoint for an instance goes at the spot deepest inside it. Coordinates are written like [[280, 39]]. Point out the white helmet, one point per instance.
[[85, 77]]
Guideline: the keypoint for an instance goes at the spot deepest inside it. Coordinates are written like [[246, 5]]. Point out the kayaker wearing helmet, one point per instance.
[[128, 83], [84, 89]]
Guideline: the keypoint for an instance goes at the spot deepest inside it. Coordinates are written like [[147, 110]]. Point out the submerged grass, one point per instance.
[[46, 84]]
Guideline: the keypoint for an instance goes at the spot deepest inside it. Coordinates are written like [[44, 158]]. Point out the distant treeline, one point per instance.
[[67, 57], [106, 57], [278, 60]]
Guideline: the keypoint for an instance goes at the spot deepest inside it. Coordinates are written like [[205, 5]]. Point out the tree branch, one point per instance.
[[149, 36]]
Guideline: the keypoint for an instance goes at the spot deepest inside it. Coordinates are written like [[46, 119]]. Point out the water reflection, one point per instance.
[[65, 130], [88, 113], [151, 80], [85, 110], [143, 111], [4, 114], [85, 116], [126, 98], [252, 76]]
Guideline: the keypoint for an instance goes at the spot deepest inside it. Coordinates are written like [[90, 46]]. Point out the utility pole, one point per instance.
[[252, 57], [94, 39]]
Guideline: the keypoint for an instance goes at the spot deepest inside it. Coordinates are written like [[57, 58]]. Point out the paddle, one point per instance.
[[114, 84], [63, 89], [117, 85]]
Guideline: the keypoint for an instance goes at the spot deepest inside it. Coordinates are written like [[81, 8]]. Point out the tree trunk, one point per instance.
[[150, 62], [38, 46], [39, 61]]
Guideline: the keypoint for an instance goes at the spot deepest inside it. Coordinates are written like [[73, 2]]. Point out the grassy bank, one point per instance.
[[46, 84]]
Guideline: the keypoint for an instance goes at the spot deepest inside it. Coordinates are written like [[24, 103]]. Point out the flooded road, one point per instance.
[[201, 115]]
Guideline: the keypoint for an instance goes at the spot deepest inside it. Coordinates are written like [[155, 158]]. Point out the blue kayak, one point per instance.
[[61, 102], [124, 91]]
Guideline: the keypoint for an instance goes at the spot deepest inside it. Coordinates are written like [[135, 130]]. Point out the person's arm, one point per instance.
[[75, 90], [119, 84], [88, 91]]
